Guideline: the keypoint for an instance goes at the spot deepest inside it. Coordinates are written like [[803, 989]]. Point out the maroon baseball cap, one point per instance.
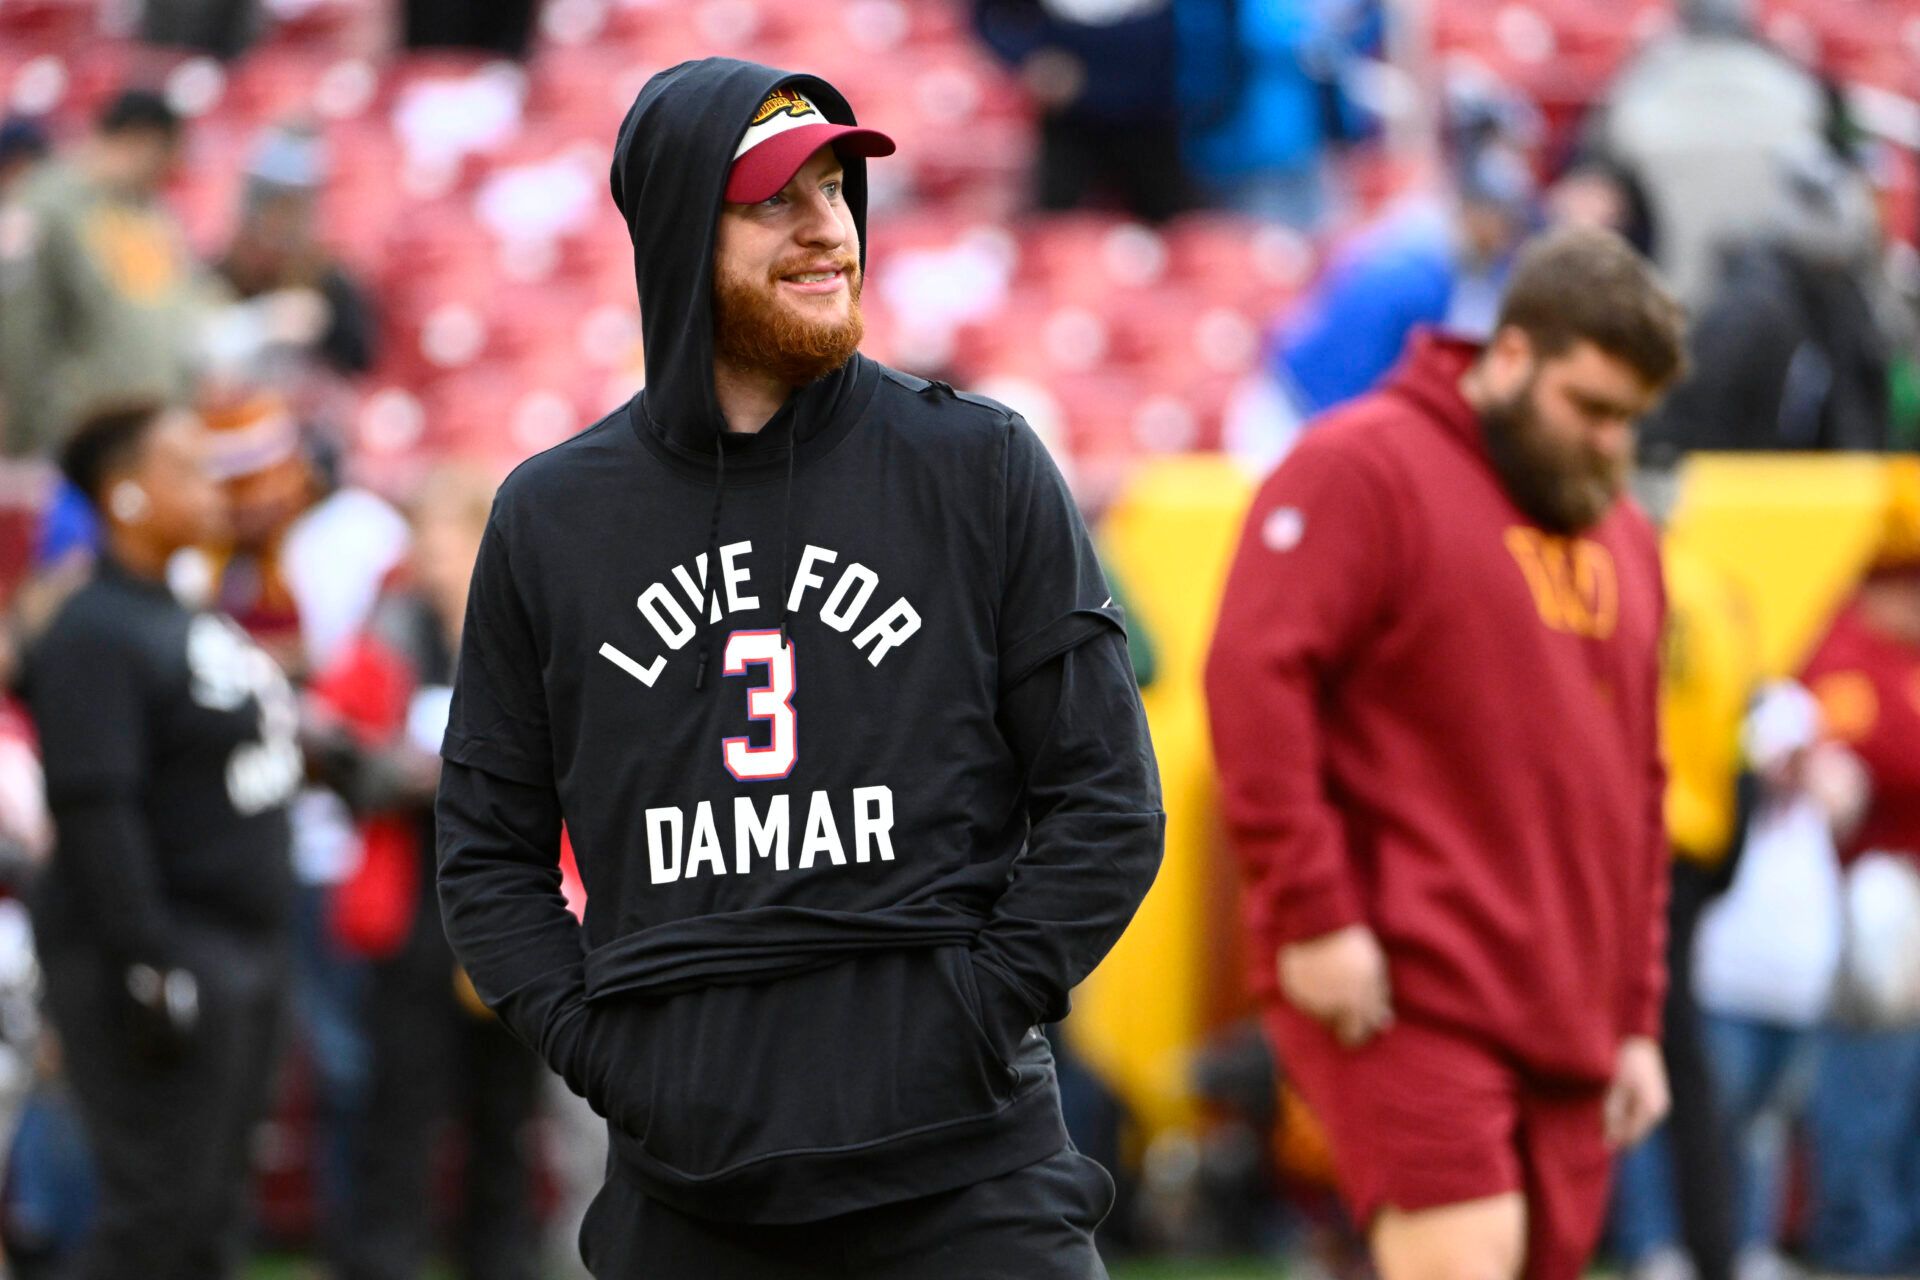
[[786, 130]]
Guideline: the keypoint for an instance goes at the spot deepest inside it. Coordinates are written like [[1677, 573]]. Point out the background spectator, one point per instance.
[[100, 300], [437, 1054], [170, 760], [1787, 353], [1768, 953], [1102, 75], [23, 144], [1261, 89], [1700, 116], [300, 569], [1865, 1111], [1673, 1210], [1596, 191], [1432, 262], [305, 322]]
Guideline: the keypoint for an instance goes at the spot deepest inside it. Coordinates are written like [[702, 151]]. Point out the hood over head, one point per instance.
[[670, 172], [671, 168]]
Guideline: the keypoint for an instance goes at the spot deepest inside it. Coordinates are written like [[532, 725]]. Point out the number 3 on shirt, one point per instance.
[[771, 702]]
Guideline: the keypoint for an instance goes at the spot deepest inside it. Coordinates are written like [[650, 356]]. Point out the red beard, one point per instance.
[[753, 329]]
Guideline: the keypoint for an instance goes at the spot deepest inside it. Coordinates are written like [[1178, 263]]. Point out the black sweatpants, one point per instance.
[[170, 1143], [1035, 1223]]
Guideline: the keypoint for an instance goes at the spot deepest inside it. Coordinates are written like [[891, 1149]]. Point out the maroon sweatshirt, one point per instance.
[[1433, 717]]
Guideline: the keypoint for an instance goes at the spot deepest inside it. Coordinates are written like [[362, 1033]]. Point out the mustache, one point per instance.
[[845, 263]]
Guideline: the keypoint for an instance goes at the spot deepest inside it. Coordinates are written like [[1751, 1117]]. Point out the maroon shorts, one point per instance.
[[1421, 1117]]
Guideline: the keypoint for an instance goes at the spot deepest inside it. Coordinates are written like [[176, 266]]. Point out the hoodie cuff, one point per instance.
[[564, 1046], [1306, 912], [1645, 1014]]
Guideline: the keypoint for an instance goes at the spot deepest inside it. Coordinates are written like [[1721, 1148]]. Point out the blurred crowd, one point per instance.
[[1221, 217]]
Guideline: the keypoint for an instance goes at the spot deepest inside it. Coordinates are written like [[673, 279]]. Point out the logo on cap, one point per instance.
[[782, 102], [787, 127]]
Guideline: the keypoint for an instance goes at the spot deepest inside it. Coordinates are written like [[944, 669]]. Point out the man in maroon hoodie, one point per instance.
[[1433, 699]]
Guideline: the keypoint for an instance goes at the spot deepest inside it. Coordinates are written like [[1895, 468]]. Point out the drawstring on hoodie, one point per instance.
[[710, 599], [786, 525]]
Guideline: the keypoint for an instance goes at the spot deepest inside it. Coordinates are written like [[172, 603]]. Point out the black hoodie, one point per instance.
[[834, 883]]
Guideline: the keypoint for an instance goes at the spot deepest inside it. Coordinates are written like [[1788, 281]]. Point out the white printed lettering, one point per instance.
[[732, 576], [823, 835], [751, 836], [872, 823], [696, 590], [673, 606], [664, 614], [805, 577], [663, 855], [705, 846], [859, 580], [645, 675], [891, 629]]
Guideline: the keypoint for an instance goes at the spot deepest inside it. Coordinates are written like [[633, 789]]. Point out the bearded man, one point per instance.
[[806, 988], [1433, 690]]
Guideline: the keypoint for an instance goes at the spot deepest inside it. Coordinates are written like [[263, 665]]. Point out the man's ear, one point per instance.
[[1513, 345], [1510, 357]]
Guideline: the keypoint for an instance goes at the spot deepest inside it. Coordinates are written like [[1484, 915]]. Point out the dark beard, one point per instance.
[[1561, 491], [753, 331]]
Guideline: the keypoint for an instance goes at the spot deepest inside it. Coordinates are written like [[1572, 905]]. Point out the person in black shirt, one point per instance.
[[170, 756], [276, 259], [817, 662], [438, 1055]]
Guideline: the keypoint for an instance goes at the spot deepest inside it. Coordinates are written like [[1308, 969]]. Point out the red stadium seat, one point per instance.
[[69, 24], [660, 33], [279, 81], [34, 81], [586, 86], [1060, 246], [94, 71]]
